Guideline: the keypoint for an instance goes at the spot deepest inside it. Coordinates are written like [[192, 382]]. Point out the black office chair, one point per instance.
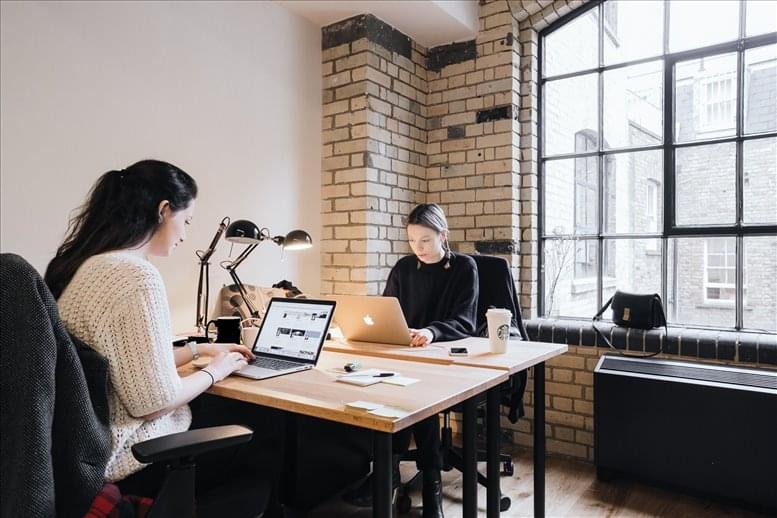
[[55, 434], [496, 289]]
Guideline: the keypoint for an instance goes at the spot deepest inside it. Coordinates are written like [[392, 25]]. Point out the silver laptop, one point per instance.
[[291, 337], [364, 318]]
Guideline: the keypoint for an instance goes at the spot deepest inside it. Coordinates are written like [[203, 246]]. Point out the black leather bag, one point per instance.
[[635, 310], [643, 311]]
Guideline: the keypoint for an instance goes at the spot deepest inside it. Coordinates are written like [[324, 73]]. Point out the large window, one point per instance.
[[658, 160]]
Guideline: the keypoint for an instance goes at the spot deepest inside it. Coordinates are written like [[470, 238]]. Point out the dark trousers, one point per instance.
[[427, 440], [260, 459]]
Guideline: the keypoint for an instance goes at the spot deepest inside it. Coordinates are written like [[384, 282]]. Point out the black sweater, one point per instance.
[[441, 299]]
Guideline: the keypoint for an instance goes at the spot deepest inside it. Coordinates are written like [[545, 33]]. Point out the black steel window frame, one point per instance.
[[670, 227]]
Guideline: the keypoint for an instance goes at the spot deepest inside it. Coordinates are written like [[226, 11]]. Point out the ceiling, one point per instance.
[[428, 22]]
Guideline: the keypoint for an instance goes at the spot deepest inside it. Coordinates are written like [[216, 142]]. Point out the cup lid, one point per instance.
[[499, 310]]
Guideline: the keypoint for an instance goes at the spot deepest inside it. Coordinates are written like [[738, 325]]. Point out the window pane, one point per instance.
[[761, 17], [760, 283], [761, 89], [632, 265], [705, 98], [693, 297], [573, 46], [694, 24], [632, 30], [705, 185], [760, 181], [633, 104], [633, 192], [570, 107], [570, 277], [570, 188]]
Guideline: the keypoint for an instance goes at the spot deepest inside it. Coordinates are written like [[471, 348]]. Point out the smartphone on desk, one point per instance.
[[458, 351]]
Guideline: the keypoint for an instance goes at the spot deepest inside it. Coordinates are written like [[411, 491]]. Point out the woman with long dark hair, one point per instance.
[[112, 298], [438, 292]]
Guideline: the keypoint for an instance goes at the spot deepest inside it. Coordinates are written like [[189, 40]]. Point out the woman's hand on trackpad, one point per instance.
[[420, 337]]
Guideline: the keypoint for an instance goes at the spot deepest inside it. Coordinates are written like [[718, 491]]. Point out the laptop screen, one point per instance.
[[294, 328]]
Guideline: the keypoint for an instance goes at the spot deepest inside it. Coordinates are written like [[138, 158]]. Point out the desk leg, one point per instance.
[[381, 467], [493, 431], [539, 440], [470, 489]]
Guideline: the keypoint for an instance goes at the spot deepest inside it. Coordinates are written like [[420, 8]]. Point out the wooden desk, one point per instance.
[[316, 393], [520, 355]]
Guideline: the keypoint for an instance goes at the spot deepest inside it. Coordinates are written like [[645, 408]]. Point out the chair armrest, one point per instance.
[[190, 443]]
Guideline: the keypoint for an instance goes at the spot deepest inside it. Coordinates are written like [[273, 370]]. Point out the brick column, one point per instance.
[[474, 136], [374, 154]]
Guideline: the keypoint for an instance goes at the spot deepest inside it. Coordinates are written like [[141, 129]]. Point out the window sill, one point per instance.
[[751, 347]]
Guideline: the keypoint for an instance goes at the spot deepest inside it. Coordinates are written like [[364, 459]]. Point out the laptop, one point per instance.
[[290, 338], [364, 318]]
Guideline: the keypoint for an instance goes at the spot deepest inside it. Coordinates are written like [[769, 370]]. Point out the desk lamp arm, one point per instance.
[[203, 281], [231, 266]]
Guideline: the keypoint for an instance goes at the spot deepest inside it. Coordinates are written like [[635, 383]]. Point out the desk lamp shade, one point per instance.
[[243, 231], [296, 240]]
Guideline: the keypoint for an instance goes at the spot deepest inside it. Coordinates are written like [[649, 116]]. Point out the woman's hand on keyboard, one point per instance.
[[214, 349], [225, 363]]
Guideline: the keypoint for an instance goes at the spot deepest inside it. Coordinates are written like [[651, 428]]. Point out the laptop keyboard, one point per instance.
[[274, 364]]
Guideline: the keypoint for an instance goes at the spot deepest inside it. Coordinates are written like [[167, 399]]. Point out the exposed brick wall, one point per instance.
[[473, 141], [374, 153]]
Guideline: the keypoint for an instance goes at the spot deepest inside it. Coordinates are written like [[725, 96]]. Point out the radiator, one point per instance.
[[706, 429]]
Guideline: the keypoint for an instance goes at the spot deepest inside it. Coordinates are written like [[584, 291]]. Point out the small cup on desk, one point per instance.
[[498, 329], [227, 329]]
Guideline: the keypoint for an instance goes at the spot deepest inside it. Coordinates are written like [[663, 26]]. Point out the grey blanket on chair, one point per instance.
[[54, 434]]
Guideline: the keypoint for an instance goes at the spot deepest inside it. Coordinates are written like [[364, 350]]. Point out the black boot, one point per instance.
[[361, 495], [432, 494]]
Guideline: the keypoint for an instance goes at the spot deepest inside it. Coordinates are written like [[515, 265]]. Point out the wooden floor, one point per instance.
[[572, 490]]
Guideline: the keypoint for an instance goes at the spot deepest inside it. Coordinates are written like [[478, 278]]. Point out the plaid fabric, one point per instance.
[[110, 504]]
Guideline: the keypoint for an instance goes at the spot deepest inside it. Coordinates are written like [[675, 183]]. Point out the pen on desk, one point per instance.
[[383, 375]]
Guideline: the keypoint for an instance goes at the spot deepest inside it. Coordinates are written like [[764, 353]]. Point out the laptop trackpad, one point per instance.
[[254, 372]]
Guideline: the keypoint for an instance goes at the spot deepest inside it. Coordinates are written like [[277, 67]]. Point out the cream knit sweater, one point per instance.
[[116, 303]]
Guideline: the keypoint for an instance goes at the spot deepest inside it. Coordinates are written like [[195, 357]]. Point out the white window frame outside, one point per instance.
[[708, 102], [727, 254]]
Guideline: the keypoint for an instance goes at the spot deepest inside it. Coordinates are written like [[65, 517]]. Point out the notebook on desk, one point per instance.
[[375, 319], [290, 338]]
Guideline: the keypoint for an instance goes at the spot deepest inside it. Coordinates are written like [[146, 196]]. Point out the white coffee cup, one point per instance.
[[498, 329], [249, 336]]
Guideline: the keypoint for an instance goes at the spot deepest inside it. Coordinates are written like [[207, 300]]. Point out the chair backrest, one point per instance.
[[496, 289], [55, 433]]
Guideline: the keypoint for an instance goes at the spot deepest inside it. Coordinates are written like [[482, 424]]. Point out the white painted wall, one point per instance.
[[228, 91]]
